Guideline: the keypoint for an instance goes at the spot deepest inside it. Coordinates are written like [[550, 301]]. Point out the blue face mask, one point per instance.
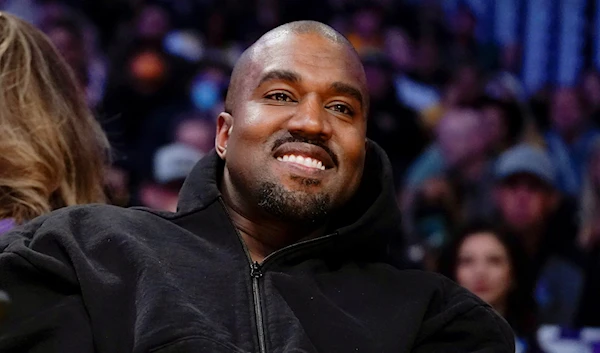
[[204, 94]]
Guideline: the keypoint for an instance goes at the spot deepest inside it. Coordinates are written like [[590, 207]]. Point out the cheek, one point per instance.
[[351, 143], [501, 279], [537, 206], [465, 276]]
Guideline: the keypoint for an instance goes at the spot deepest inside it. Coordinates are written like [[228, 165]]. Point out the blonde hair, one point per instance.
[[53, 152]]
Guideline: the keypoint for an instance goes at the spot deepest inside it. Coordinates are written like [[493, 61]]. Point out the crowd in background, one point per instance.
[[499, 189]]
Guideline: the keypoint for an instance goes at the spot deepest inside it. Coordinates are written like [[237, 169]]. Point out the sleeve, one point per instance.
[[464, 324], [45, 311]]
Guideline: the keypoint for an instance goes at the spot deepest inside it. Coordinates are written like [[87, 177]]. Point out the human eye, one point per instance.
[[342, 108], [280, 97]]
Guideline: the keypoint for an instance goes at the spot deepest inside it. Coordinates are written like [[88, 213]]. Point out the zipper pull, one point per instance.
[[255, 271]]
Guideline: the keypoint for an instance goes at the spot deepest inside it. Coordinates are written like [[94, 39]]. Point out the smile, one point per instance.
[[303, 161]]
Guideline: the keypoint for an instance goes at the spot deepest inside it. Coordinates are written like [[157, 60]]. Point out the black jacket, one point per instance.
[[105, 279]]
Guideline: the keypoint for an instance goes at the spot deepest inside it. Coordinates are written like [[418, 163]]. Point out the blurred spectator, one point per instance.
[[366, 35], [53, 152], [196, 133], [491, 263], [88, 65], [450, 182], [203, 100], [590, 91], [569, 139], [393, 126], [529, 205], [502, 124], [152, 23], [192, 139], [505, 84], [589, 205], [172, 164], [399, 50], [589, 240], [427, 75], [464, 45], [464, 89]]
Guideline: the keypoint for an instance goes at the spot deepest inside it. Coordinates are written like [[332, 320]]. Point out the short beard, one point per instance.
[[294, 206]]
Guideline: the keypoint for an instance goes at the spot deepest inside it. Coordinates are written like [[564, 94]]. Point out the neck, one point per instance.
[[264, 234], [531, 240]]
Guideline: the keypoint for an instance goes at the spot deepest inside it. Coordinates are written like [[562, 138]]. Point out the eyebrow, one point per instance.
[[280, 75], [346, 89]]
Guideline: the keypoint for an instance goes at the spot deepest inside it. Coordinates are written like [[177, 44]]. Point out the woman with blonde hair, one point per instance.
[[53, 152]]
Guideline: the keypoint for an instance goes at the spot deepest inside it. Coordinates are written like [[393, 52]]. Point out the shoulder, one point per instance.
[[77, 224], [452, 309]]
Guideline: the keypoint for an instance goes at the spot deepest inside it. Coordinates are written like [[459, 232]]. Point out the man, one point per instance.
[[530, 205], [570, 139], [278, 244], [172, 164], [450, 182]]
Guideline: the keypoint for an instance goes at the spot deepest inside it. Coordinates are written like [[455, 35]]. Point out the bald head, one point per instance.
[[239, 76]]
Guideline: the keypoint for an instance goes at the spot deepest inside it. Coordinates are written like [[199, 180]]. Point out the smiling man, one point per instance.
[[279, 244]]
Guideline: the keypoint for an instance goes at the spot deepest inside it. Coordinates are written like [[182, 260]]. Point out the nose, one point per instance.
[[310, 120]]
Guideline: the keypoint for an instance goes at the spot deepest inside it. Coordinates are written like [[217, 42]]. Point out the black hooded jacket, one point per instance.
[[100, 278]]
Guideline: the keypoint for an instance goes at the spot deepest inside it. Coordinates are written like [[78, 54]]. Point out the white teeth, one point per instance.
[[305, 161]]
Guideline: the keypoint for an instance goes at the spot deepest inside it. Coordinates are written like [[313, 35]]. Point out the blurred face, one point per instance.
[[484, 268], [566, 112], [460, 137], [398, 49], [525, 202], [297, 146]]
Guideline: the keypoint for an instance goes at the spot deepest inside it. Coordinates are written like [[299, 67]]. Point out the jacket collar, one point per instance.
[[365, 225]]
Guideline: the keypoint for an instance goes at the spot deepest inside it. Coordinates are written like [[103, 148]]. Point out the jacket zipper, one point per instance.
[[256, 273]]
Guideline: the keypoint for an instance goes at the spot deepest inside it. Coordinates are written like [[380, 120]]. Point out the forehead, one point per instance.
[[482, 241], [315, 58]]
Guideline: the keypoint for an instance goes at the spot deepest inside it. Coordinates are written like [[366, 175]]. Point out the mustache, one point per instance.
[[317, 143]]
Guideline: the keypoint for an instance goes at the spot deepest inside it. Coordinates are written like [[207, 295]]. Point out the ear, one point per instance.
[[224, 129]]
